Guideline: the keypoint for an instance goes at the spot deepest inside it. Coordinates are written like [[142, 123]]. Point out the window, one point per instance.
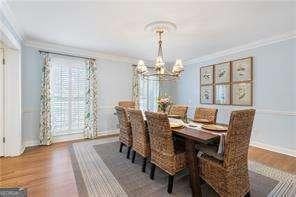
[[68, 88], [149, 92]]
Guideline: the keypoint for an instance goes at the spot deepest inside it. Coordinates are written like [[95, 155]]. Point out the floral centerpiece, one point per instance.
[[163, 102]]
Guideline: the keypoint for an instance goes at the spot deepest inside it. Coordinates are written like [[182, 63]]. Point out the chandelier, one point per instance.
[[159, 71]]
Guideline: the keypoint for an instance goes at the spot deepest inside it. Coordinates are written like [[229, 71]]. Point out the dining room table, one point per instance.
[[192, 137], [194, 134]]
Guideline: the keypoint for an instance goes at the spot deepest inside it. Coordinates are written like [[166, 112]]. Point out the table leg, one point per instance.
[[193, 168]]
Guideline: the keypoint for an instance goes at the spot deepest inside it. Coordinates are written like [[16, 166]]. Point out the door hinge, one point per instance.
[[3, 139], [3, 61]]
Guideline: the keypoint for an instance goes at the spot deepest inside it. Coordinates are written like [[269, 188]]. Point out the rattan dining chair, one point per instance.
[[164, 153], [209, 114], [140, 136], [178, 111], [127, 104], [229, 175], [125, 130]]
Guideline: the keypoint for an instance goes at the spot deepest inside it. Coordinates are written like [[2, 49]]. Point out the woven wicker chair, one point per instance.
[[178, 111], [125, 134], [209, 114], [140, 136], [164, 153], [127, 104], [229, 176]]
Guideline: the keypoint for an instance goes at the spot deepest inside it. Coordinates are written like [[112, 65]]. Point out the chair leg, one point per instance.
[[152, 171], [248, 194], [120, 148], [133, 156], [144, 164], [170, 184], [128, 152]]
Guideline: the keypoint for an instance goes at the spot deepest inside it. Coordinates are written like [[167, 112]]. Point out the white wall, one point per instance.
[[12, 103], [11, 114], [114, 79], [274, 94]]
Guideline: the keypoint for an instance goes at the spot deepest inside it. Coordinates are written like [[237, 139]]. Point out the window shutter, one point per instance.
[[68, 86]]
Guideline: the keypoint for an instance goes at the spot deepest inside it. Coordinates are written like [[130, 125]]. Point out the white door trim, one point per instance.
[[2, 100]]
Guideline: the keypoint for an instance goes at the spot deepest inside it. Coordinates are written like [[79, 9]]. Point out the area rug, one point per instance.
[[100, 170]]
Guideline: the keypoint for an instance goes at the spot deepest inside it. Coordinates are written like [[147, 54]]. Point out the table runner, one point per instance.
[[197, 126]]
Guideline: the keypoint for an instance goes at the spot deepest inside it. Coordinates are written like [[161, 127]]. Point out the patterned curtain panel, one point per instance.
[[45, 112], [90, 120], [135, 87]]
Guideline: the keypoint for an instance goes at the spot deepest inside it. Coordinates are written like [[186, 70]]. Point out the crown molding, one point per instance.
[[11, 21], [51, 47], [252, 45]]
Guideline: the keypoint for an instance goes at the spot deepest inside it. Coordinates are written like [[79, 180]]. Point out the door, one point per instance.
[[1, 103]]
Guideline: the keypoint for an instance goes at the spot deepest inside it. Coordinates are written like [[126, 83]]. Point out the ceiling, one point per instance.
[[118, 28]]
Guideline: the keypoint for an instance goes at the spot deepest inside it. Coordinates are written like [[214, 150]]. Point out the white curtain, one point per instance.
[[45, 107], [90, 120], [148, 93]]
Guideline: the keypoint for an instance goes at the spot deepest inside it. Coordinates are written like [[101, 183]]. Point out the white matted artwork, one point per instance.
[[242, 94], [206, 94], [222, 73], [206, 75], [242, 69], [222, 94]]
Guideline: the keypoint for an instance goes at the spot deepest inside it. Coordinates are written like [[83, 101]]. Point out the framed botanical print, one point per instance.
[[206, 94], [242, 70], [222, 73], [242, 93], [222, 94], [206, 75]]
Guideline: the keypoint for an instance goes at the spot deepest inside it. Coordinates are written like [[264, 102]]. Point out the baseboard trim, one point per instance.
[[79, 136], [272, 148], [31, 143]]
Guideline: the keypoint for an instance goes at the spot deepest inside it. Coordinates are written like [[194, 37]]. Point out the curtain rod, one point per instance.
[[66, 54]]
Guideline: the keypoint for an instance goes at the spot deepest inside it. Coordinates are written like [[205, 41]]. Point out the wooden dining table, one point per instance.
[[192, 137]]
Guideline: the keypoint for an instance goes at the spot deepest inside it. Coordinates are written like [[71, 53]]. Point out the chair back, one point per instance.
[[127, 104], [160, 135], [206, 113], [238, 138], [125, 134], [139, 132], [179, 110]]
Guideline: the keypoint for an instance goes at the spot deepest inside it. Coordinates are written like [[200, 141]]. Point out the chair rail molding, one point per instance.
[[260, 111], [259, 43]]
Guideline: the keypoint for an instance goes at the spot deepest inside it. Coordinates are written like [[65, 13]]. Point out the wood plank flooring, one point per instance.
[[47, 170]]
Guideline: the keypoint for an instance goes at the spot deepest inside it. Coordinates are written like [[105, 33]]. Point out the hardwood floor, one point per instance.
[[44, 171], [273, 159], [47, 170]]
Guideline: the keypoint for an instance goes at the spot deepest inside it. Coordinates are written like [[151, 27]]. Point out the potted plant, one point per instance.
[[163, 102]]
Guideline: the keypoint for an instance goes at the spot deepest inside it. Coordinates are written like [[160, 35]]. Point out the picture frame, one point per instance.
[[206, 94], [222, 94], [222, 73], [242, 94], [206, 75], [242, 70]]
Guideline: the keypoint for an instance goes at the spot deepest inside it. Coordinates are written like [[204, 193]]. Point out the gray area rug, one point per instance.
[[100, 170]]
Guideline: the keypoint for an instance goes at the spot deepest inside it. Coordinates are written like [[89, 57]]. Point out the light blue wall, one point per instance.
[[115, 82], [274, 93], [31, 79]]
